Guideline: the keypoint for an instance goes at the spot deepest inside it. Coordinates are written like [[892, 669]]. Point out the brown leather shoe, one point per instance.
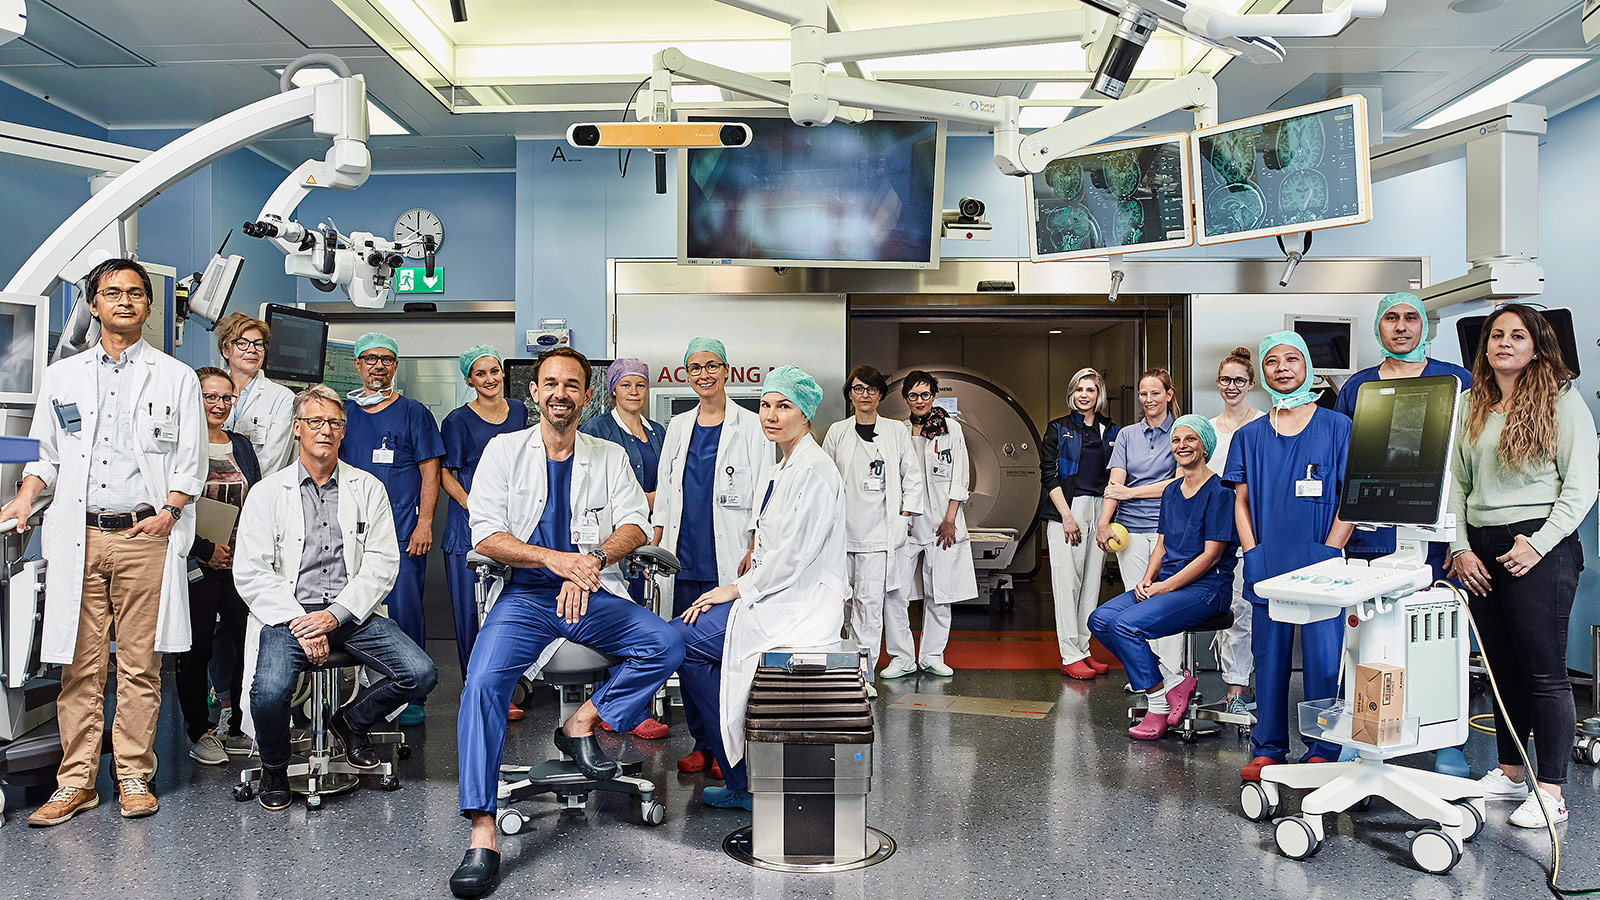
[[136, 799], [64, 804]]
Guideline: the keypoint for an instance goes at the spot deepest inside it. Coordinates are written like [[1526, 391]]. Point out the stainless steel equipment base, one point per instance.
[[880, 847]]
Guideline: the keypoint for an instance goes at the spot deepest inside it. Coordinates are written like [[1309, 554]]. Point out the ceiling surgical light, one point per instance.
[[1128, 40]]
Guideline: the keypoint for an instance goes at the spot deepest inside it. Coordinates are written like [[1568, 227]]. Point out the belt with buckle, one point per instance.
[[119, 521]]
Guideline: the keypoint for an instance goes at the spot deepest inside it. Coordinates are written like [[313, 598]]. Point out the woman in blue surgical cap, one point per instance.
[[793, 593], [1188, 580], [713, 459], [467, 431], [1287, 469]]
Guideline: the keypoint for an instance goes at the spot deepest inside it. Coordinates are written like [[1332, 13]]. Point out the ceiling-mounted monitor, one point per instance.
[[857, 196], [1111, 198], [1331, 340], [1285, 172]]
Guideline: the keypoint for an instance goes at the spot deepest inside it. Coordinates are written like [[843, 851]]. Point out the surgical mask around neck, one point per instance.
[[365, 400]]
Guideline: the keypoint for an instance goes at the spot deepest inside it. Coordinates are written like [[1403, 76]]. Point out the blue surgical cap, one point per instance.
[[471, 355], [1202, 427], [705, 344], [797, 386], [376, 339]]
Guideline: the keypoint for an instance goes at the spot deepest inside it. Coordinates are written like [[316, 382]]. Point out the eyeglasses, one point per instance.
[[1224, 381], [317, 423], [862, 390], [137, 295], [218, 398], [710, 368], [919, 396], [247, 344], [373, 359]]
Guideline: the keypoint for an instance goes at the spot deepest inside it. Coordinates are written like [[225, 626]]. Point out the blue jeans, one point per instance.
[[701, 676], [1126, 626], [406, 675], [516, 631]]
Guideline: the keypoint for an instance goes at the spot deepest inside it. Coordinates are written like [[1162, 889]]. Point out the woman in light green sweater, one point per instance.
[[1526, 475]]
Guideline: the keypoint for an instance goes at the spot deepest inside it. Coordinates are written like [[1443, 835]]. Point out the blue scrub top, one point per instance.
[[1145, 452], [465, 435], [1381, 542], [644, 456], [554, 531], [1290, 530], [1188, 522], [697, 538], [406, 427]]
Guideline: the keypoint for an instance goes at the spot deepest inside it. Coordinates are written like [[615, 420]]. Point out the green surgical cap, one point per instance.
[[471, 355], [1202, 427], [797, 386], [376, 339], [1302, 394], [1402, 298], [705, 344]]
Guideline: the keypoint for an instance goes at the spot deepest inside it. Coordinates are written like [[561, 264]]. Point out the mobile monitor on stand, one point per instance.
[[298, 351], [1398, 468]]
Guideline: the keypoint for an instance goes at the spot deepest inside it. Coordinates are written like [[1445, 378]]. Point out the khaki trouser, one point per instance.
[[121, 599]]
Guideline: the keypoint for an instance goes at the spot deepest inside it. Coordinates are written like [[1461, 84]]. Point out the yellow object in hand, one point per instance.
[[1119, 538]]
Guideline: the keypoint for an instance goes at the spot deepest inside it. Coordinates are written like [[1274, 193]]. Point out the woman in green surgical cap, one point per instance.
[[793, 593], [467, 431]]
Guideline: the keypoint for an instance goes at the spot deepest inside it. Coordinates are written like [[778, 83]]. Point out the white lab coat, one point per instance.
[[954, 578], [158, 382], [512, 482], [263, 418], [743, 447], [794, 593], [903, 490], [272, 537]]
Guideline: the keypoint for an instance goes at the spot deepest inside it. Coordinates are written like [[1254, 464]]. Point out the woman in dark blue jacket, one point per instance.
[[1073, 470]]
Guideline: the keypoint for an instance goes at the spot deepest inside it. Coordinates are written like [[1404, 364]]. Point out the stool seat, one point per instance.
[[1219, 622], [576, 659], [339, 659]]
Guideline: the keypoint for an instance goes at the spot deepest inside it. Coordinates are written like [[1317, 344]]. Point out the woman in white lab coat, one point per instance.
[[939, 540], [262, 411], [794, 591], [882, 486], [713, 459]]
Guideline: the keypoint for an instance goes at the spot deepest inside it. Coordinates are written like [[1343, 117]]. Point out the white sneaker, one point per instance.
[[937, 667], [1528, 815], [896, 669], [208, 751], [1496, 786]]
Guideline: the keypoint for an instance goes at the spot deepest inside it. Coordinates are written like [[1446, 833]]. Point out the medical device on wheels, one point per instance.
[[1397, 473]]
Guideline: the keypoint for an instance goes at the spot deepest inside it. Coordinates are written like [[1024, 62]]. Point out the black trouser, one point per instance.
[[211, 596], [1522, 625]]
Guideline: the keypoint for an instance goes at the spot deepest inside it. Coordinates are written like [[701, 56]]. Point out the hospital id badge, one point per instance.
[[1308, 487], [586, 534], [731, 498], [383, 456], [941, 471], [872, 483], [165, 433]]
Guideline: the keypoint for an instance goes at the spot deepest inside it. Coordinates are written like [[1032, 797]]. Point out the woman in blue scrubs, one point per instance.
[[1189, 579], [1287, 469], [466, 432]]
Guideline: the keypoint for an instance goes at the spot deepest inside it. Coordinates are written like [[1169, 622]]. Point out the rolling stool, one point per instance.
[[324, 771], [1200, 719], [573, 670], [652, 563]]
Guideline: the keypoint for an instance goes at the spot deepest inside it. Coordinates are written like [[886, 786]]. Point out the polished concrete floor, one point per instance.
[[980, 806]]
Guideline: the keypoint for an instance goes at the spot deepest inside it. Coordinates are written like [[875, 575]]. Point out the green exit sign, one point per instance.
[[412, 280]]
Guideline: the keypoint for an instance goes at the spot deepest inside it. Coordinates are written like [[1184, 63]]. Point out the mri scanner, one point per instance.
[[1003, 450]]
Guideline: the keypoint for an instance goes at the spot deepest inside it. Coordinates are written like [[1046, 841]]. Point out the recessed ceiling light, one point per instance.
[[1512, 86], [1055, 331], [924, 331], [1475, 6]]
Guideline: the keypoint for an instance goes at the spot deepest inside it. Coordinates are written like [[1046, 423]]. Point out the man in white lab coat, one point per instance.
[[315, 556], [561, 509], [122, 446]]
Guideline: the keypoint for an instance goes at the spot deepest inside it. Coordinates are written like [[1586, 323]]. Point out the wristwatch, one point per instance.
[[599, 554], [177, 512]]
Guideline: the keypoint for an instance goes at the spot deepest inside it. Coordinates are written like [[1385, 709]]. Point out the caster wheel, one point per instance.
[[1593, 758], [1471, 819], [1434, 852], [652, 813], [1295, 838], [521, 691], [1189, 735], [402, 751], [243, 792], [1364, 804], [314, 802], [509, 821], [389, 783], [1257, 803]]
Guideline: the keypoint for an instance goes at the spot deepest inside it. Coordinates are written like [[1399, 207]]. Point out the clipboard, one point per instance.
[[214, 520]]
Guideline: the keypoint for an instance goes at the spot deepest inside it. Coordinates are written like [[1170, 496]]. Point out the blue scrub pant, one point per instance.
[[701, 676], [517, 629], [1272, 642], [1126, 626], [405, 599], [684, 593], [463, 603]]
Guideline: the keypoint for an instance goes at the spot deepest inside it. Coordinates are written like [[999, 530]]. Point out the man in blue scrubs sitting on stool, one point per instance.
[[561, 509], [396, 439]]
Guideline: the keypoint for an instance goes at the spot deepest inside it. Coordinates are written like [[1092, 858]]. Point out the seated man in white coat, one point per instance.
[[315, 556], [561, 508]]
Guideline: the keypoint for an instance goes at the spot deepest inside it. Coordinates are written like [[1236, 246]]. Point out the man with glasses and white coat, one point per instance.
[[122, 446]]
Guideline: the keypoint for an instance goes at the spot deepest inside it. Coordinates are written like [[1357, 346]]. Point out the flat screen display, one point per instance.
[[1329, 340], [1285, 172], [1399, 446], [866, 196], [1113, 198], [24, 328], [299, 344], [1469, 330]]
